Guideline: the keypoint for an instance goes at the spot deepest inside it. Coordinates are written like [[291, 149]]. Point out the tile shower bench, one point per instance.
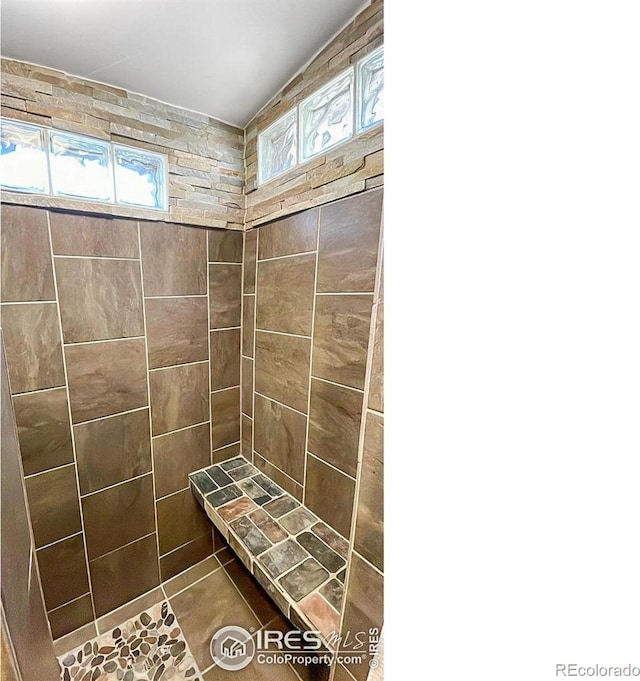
[[295, 557]]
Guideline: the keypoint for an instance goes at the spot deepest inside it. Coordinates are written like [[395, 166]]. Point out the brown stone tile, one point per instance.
[[268, 526], [225, 358], [71, 616], [236, 508], [91, 235], [75, 638], [63, 571], [321, 614], [200, 616], [285, 294], [175, 455], [282, 368], [280, 436], [248, 324], [32, 343], [247, 437], [247, 386], [335, 414], [179, 397], [131, 609], [250, 253], [369, 540], [176, 331], [27, 273], [112, 450], [122, 575], [376, 384], [99, 299], [106, 378], [225, 295], [180, 520], [339, 544], [225, 417], [118, 515], [284, 481], [225, 245], [341, 338], [53, 504], [43, 429], [174, 259], [184, 557], [192, 574], [348, 244], [253, 593], [329, 494], [294, 234], [225, 453], [364, 606]]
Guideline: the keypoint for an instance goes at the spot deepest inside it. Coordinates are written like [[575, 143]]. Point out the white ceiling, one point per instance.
[[225, 58]]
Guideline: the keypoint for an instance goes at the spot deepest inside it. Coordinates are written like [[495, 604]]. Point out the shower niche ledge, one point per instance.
[[294, 556]]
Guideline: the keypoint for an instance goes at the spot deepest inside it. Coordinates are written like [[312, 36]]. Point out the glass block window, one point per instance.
[[278, 147], [326, 118], [371, 90], [23, 162], [140, 178], [80, 167]]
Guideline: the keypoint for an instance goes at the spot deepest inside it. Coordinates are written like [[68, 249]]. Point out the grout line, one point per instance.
[[102, 340], [284, 333], [255, 392], [375, 411], [369, 563], [40, 390], [346, 293], [335, 468], [109, 416], [57, 541], [115, 484], [197, 581], [92, 257], [178, 430], [231, 444], [173, 366], [124, 605], [148, 376], [124, 546], [73, 437], [171, 494], [281, 257], [255, 336], [187, 295], [48, 470], [222, 262], [77, 598], [226, 328], [313, 328], [340, 385], [262, 456], [230, 387], [28, 302], [181, 546], [209, 372]]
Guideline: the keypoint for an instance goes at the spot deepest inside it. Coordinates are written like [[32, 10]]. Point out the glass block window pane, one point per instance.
[[141, 178], [327, 116], [23, 162], [371, 90], [80, 167], [277, 146]]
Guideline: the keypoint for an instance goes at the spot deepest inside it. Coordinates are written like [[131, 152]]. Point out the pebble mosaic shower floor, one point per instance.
[[148, 647]]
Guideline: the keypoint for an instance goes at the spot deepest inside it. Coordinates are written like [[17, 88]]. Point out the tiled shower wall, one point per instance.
[[312, 404], [109, 326]]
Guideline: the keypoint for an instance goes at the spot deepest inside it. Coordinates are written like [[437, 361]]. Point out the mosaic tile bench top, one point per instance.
[[148, 647], [295, 557]]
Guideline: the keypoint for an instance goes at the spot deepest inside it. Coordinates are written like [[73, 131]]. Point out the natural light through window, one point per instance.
[[23, 163]]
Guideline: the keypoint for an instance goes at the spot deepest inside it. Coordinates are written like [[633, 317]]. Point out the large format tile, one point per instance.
[[335, 414], [248, 324], [175, 455], [180, 520], [329, 494], [122, 575], [179, 397], [27, 272], [247, 437], [251, 591], [348, 244], [106, 378], [369, 541], [225, 417], [201, 616], [280, 436], [225, 358], [71, 616], [53, 504], [285, 294], [112, 449], [63, 571], [225, 245], [99, 299], [187, 555], [118, 515], [176, 331], [174, 259], [249, 259], [282, 368], [376, 384], [43, 429], [341, 338], [32, 343], [294, 234], [225, 295], [247, 386], [92, 235], [287, 483]]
